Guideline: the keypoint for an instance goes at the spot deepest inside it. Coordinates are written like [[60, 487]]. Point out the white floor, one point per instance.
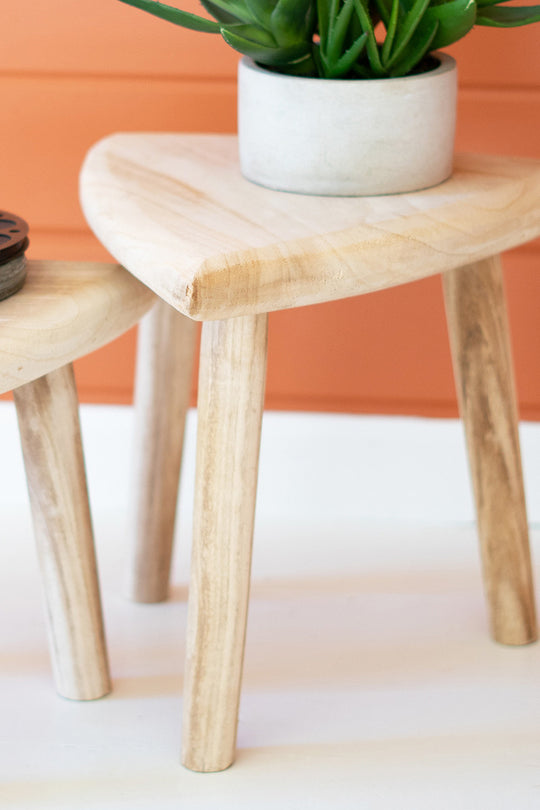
[[370, 681]]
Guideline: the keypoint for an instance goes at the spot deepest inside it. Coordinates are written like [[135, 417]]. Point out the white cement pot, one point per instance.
[[347, 137]]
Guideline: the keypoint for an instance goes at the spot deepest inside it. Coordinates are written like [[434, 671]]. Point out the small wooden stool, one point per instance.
[[64, 311], [176, 212]]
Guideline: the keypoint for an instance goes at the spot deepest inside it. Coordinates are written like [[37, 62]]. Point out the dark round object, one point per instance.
[[13, 236], [12, 276], [13, 243]]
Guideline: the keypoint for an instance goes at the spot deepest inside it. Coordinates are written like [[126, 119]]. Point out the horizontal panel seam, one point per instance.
[[465, 88], [496, 92], [349, 403], [33, 75]]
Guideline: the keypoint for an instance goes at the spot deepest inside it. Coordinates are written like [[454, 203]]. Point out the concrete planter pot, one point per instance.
[[347, 137]]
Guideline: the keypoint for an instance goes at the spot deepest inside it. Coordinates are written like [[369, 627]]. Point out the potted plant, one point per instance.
[[345, 97]]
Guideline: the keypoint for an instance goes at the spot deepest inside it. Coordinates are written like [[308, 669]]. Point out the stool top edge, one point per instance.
[[64, 311], [175, 210]]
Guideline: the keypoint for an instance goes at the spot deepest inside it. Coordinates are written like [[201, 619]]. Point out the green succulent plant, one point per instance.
[[334, 39]]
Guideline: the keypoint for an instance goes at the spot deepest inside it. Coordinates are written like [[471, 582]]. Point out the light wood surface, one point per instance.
[[478, 328], [166, 346], [231, 393], [64, 311], [48, 416], [176, 212]]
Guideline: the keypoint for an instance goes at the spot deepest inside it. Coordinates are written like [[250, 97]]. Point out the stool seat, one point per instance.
[[64, 311], [175, 210]]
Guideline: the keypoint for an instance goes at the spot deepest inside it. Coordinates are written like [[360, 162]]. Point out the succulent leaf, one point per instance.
[[339, 31], [391, 28], [371, 43], [345, 63], [216, 12], [324, 15], [175, 15], [508, 16], [410, 23], [455, 18], [261, 10], [261, 51], [422, 43], [384, 8], [252, 33], [336, 38], [291, 21], [482, 3]]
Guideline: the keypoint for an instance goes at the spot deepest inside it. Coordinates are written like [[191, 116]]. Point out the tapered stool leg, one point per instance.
[[163, 385], [48, 416], [479, 337], [231, 393]]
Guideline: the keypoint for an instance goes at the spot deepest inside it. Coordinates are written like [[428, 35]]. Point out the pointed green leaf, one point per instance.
[[218, 13], [336, 40], [406, 30], [345, 63], [390, 32], [305, 66], [175, 15], [329, 23], [237, 8], [455, 19], [261, 10], [483, 3], [253, 33], [354, 31], [261, 53], [384, 7], [419, 47], [291, 21], [336, 66], [323, 17], [508, 16], [371, 43], [363, 72]]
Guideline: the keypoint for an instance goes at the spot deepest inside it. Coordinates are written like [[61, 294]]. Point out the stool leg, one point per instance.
[[479, 337], [48, 415], [163, 386], [231, 394]]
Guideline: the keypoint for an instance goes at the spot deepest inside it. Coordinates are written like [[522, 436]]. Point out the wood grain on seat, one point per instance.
[[175, 210], [64, 311]]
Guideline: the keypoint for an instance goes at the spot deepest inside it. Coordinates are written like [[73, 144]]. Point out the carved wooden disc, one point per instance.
[[13, 243], [13, 235], [12, 276]]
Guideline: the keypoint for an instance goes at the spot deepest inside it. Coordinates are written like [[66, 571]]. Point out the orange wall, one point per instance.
[[71, 72]]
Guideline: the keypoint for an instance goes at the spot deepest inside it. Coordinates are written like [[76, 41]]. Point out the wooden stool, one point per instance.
[[178, 215], [64, 311]]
